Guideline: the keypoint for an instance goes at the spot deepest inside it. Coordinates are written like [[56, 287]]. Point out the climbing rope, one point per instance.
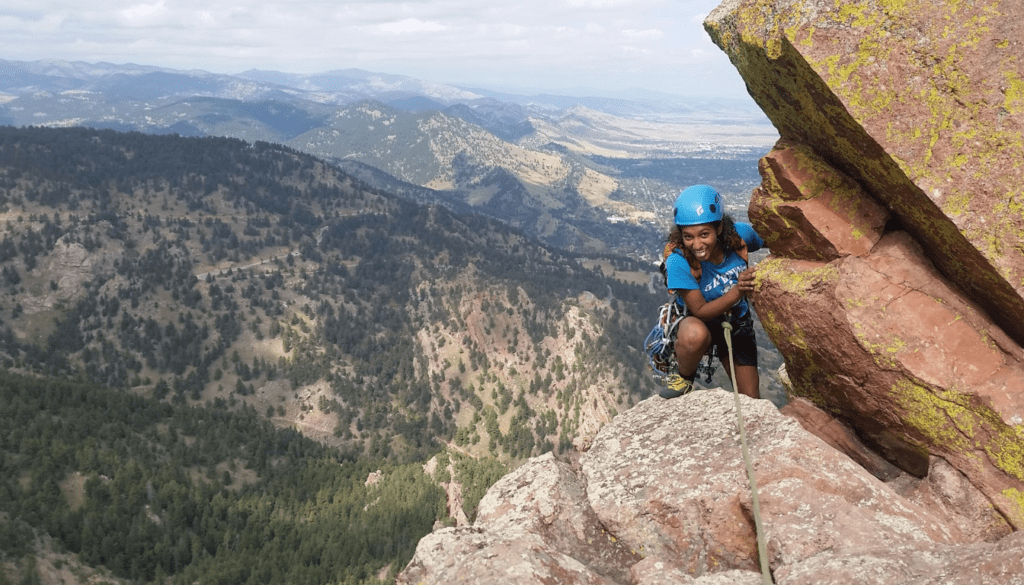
[[762, 549]]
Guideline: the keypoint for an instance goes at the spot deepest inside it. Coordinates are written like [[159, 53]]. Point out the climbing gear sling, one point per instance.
[[762, 548], [660, 345]]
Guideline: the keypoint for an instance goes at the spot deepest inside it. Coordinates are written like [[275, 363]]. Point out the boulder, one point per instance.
[[532, 525], [892, 206], [811, 210], [662, 496]]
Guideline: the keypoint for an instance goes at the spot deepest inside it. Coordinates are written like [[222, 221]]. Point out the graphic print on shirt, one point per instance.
[[724, 282]]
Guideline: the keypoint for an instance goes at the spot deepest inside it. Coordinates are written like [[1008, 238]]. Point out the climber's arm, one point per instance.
[[707, 310]]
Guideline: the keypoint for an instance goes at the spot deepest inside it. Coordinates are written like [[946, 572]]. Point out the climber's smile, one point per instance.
[[702, 241]]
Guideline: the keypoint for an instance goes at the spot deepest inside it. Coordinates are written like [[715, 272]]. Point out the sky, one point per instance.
[[575, 47]]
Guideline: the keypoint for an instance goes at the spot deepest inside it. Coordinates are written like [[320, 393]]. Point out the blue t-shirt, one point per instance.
[[715, 279]]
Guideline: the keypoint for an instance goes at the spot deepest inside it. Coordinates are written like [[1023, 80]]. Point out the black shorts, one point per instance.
[[744, 344]]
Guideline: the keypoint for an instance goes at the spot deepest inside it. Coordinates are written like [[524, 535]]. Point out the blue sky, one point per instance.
[[563, 46]]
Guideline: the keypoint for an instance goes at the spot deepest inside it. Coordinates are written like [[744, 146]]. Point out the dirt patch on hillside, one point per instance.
[[73, 488]]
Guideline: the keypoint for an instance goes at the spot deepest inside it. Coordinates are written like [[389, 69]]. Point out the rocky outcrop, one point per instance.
[[71, 266], [839, 437], [894, 210], [662, 496], [892, 206]]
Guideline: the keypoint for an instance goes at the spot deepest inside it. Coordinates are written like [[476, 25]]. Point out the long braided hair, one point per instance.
[[729, 238]]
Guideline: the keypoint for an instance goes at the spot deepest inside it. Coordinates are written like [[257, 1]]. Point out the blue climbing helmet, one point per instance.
[[698, 204]]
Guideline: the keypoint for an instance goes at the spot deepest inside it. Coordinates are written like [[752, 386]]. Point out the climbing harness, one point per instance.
[[660, 344], [762, 549]]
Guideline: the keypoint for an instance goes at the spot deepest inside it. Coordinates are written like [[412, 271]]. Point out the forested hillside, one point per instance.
[[214, 282], [150, 490]]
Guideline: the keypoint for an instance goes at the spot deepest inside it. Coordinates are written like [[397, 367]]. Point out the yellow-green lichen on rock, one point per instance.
[[943, 419], [1014, 100], [782, 273], [968, 434], [1016, 497], [920, 102], [884, 354], [921, 105]]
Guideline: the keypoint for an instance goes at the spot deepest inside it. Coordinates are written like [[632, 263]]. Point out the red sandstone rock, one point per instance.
[[920, 102], [943, 489], [904, 359], [662, 497], [839, 437], [949, 493], [811, 210], [915, 341]]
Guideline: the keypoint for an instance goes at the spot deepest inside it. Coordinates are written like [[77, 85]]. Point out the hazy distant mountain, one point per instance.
[[510, 122], [20, 78], [551, 165], [360, 84], [134, 82]]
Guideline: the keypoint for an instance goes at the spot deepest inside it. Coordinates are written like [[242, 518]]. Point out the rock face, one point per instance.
[[662, 496], [893, 206]]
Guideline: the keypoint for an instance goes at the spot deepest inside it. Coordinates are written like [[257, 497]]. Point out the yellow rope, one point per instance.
[[762, 549]]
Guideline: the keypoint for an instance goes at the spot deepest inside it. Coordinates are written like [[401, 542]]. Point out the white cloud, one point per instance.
[[144, 14], [649, 34], [608, 44], [205, 18], [410, 25], [47, 23]]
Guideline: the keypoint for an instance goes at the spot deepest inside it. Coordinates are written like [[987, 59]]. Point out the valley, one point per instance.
[[346, 281]]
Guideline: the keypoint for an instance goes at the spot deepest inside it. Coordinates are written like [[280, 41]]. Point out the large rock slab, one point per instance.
[[884, 344], [921, 103], [662, 496], [668, 479]]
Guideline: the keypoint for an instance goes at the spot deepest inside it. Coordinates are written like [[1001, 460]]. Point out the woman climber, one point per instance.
[[706, 268]]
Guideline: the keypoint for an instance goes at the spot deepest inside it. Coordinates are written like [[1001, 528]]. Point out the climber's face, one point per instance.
[[702, 241]]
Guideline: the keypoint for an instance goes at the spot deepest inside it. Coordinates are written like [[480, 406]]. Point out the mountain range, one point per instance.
[[590, 174]]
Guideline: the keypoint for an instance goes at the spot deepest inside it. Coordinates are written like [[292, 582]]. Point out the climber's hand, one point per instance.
[[746, 281]]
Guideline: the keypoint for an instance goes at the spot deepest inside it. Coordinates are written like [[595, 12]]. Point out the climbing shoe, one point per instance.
[[676, 387]]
